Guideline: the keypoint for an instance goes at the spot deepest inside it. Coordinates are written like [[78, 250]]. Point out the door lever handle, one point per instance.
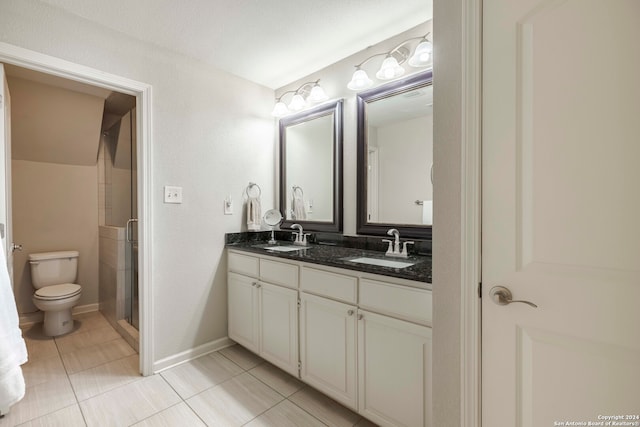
[[15, 247], [503, 296]]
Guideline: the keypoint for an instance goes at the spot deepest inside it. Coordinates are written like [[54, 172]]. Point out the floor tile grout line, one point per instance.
[[96, 344], [229, 358], [271, 387], [93, 345], [156, 413], [285, 397], [106, 391], [194, 411], [305, 410]]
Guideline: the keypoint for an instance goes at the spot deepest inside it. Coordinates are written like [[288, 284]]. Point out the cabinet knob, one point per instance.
[[254, 283], [360, 316], [350, 312], [258, 285]]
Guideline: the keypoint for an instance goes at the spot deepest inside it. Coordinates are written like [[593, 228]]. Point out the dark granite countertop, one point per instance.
[[339, 256]]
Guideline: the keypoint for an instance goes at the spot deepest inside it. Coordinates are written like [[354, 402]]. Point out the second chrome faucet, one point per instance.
[[300, 236], [394, 245]]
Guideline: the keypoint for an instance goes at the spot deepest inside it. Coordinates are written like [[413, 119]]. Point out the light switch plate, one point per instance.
[[172, 194], [228, 206]]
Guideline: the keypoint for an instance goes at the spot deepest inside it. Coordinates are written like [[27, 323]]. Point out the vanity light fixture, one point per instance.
[[313, 92], [391, 67], [422, 55]]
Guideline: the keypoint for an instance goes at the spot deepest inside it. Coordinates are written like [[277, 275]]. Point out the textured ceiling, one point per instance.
[[270, 42]]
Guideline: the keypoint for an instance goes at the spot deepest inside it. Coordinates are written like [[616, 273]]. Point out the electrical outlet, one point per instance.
[[228, 206], [172, 194]]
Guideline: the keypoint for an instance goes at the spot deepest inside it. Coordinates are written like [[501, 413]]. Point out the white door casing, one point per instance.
[[10, 54], [560, 212], [5, 170]]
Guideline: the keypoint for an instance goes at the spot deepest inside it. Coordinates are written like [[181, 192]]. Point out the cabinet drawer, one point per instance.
[[396, 300], [243, 264], [279, 273], [332, 285]]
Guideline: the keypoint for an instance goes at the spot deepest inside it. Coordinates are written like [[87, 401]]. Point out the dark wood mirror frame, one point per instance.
[[334, 108], [363, 226]]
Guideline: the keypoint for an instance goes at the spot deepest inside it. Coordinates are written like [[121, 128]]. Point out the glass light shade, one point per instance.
[[360, 80], [317, 94], [390, 69], [297, 103], [279, 109], [422, 55]]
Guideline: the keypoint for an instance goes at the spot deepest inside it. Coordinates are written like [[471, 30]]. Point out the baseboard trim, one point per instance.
[[38, 316], [193, 353], [88, 308], [27, 319]]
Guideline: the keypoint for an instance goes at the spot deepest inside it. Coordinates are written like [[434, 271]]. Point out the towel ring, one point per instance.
[[250, 186], [295, 188]]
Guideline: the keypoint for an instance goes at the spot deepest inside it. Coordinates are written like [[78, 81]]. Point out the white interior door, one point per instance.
[[561, 211], [5, 171]]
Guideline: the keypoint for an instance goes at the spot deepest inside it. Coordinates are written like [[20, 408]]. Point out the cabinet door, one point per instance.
[[279, 326], [394, 371], [242, 309], [328, 347]]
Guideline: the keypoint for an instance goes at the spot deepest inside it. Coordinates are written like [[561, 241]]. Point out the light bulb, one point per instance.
[[297, 103], [279, 109], [360, 80], [317, 94], [389, 69], [422, 54]]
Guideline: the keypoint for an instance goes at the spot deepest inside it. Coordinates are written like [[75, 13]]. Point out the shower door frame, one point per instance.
[[25, 58]]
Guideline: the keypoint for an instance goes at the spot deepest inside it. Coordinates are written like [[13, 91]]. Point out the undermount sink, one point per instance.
[[383, 262], [285, 248]]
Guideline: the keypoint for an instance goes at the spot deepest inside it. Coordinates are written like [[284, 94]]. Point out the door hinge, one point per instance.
[[479, 289]]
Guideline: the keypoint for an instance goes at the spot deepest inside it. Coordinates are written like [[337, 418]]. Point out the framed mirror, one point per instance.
[[395, 157], [311, 168]]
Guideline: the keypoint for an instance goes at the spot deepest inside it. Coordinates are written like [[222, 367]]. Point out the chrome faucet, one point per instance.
[[394, 246], [396, 235], [300, 236]]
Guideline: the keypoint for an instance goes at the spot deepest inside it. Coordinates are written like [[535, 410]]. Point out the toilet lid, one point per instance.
[[52, 292]]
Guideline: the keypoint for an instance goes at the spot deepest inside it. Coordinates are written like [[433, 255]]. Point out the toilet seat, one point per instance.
[[57, 292]]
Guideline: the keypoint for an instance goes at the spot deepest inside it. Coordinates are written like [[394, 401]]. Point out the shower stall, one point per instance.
[[118, 282]]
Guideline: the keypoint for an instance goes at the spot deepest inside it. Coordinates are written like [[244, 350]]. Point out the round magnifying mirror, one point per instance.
[[272, 217]]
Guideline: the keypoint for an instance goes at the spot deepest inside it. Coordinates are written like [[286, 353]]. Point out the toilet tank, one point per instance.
[[53, 268]]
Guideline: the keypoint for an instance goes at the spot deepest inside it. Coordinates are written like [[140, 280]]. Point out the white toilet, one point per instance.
[[52, 275]]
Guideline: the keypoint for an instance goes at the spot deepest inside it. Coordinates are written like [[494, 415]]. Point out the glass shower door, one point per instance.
[[132, 311], [121, 181]]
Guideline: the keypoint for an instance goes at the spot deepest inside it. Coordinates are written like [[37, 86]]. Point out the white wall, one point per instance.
[[212, 134], [55, 207], [334, 80]]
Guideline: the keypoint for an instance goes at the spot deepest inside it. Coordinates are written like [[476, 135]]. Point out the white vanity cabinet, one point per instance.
[[328, 334], [364, 339], [263, 316], [394, 371], [394, 353], [242, 308]]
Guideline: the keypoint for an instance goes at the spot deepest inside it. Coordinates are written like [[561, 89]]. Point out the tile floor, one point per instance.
[[90, 378]]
